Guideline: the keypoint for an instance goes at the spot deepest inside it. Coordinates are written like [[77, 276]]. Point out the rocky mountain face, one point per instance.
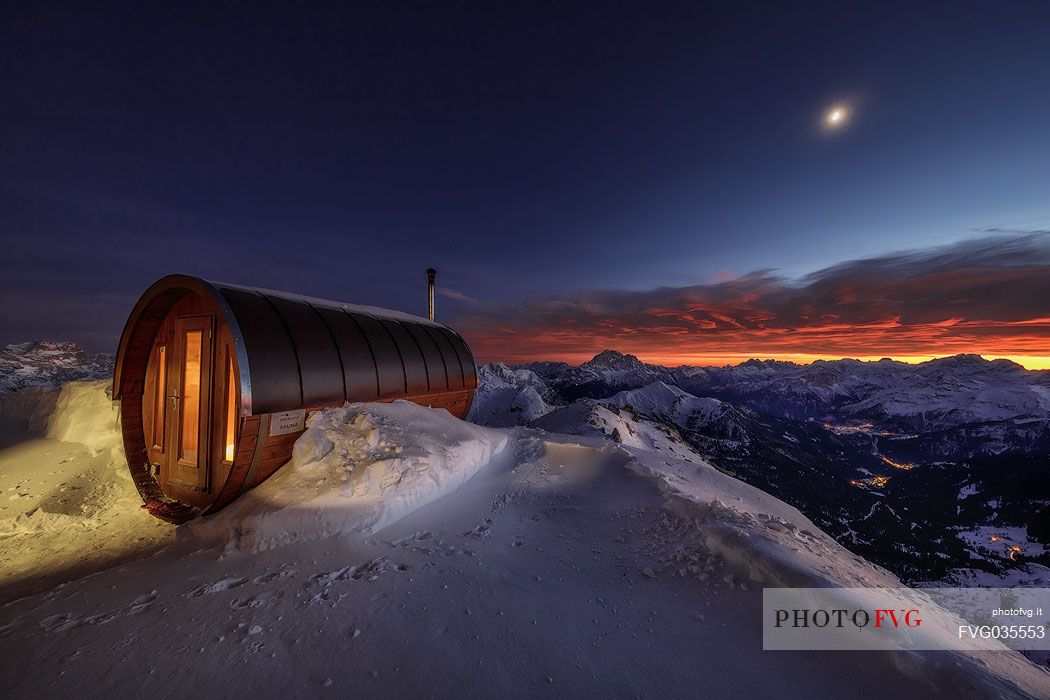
[[934, 395], [49, 363], [507, 397], [954, 407], [938, 471]]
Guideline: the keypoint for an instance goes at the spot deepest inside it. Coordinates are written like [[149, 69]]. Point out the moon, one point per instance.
[[836, 116]]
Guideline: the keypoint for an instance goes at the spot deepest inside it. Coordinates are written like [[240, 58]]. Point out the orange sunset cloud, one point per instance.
[[989, 296]]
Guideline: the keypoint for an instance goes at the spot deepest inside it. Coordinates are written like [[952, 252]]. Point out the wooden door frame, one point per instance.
[[153, 394], [178, 472]]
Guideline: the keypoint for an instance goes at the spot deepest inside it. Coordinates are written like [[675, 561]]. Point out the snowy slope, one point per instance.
[[67, 503], [593, 419], [563, 565]]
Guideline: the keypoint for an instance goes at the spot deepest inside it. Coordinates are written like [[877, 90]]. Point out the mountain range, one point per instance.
[[939, 471], [49, 363]]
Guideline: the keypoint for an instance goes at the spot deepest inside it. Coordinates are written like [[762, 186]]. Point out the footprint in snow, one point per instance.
[[223, 585], [414, 537], [479, 531], [141, 603], [370, 570], [256, 601], [273, 575]]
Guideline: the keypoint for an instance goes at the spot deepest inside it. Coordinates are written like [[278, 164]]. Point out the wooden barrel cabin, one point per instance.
[[215, 382]]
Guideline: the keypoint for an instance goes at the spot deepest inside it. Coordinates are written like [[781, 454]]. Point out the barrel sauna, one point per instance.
[[215, 382]]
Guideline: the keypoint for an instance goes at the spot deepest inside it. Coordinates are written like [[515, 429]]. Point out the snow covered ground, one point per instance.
[[67, 503], [404, 553]]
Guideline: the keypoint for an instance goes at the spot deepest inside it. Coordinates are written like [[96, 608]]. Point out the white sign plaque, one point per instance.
[[287, 422]]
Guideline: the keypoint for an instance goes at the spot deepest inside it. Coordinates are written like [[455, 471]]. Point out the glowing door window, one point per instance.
[[231, 410], [160, 397], [189, 416]]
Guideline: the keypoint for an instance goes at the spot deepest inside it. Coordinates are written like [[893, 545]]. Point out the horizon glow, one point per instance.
[[1029, 362], [988, 296]]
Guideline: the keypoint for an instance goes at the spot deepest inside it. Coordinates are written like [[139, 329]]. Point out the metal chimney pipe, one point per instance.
[[431, 273]]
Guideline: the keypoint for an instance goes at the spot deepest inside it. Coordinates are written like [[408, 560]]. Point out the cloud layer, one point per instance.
[[989, 295]]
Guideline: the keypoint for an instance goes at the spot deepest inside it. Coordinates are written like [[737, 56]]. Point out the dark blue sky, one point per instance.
[[524, 149]]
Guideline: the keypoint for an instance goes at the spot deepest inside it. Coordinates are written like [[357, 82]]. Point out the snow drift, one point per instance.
[[32, 406], [86, 487], [356, 469], [80, 412], [85, 414], [69, 506]]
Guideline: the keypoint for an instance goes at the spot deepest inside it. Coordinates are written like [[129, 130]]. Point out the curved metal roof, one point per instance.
[[297, 352]]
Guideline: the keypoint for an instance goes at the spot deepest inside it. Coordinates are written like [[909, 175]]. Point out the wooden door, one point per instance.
[[155, 401], [189, 403]]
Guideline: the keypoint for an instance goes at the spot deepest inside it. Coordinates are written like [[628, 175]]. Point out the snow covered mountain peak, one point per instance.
[[962, 359], [938, 394], [658, 390], [49, 363], [772, 364], [616, 370], [669, 403], [613, 359], [968, 364], [508, 397], [499, 374], [660, 398]]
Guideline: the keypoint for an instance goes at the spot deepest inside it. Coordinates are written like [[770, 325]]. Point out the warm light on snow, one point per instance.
[[69, 507]]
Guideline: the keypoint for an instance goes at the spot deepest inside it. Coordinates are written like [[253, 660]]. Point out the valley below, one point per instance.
[[937, 471]]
